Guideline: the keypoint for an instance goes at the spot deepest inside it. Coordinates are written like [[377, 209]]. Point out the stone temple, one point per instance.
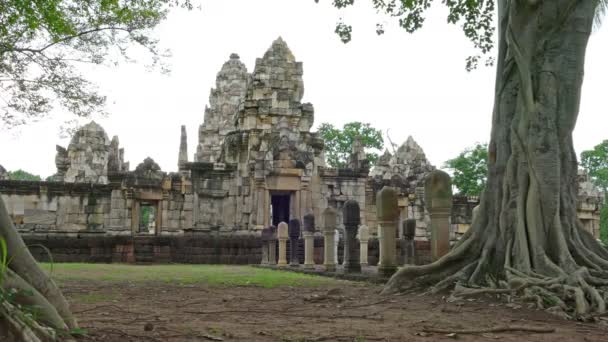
[[257, 163]]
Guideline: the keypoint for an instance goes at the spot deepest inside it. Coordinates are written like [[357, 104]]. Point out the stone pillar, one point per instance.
[[309, 240], [266, 235], [282, 236], [336, 243], [352, 218], [329, 231], [408, 248], [294, 236], [272, 246], [387, 211], [438, 198], [363, 240]]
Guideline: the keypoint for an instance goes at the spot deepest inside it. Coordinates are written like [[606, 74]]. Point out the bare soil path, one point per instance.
[[318, 310]]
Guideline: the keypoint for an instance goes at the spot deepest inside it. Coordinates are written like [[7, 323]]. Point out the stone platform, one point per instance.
[[368, 273]]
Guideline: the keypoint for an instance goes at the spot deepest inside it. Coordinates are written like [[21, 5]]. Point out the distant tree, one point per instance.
[[595, 161], [339, 142], [42, 42], [23, 175], [470, 170]]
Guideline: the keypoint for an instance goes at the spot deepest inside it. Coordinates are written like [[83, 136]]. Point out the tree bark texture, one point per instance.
[[527, 236], [23, 273]]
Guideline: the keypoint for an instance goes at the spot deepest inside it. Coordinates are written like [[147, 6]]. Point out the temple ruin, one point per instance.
[[257, 163]]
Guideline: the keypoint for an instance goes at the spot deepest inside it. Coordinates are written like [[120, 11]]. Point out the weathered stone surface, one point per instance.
[[329, 229], [283, 236], [3, 173], [438, 191], [309, 222], [387, 208], [88, 154], [387, 213], [294, 236], [183, 149], [224, 100], [363, 244], [351, 214]]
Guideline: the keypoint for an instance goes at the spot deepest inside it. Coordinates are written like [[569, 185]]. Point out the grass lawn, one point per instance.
[[219, 275]]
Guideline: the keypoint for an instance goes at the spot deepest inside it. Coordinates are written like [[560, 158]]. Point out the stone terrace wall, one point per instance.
[[62, 207], [194, 249], [204, 249]]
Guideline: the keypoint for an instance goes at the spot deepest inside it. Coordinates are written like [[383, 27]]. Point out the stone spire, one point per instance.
[[116, 161], [3, 173], [407, 168], [224, 100], [183, 149], [88, 155]]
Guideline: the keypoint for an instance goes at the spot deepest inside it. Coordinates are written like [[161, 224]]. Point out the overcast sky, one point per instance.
[[407, 84]]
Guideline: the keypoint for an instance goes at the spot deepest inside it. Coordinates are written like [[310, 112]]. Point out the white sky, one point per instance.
[[411, 84]]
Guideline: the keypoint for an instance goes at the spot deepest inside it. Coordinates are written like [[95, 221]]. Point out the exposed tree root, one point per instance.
[[499, 329]]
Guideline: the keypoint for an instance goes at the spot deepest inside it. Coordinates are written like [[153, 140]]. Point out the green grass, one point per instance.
[[220, 275]]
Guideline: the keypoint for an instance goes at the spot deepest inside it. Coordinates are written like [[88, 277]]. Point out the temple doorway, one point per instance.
[[280, 208], [147, 218]]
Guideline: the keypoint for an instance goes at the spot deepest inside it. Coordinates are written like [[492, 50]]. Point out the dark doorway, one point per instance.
[[280, 209]]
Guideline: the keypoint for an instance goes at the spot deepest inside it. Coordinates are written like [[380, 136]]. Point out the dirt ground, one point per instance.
[[338, 311]]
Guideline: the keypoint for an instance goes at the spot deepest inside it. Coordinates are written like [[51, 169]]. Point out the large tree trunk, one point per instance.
[[527, 236], [24, 274]]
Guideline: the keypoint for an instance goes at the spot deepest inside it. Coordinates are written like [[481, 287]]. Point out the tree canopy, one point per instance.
[[595, 161], [470, 170], [42, 42], [339, 142], [23, 175]]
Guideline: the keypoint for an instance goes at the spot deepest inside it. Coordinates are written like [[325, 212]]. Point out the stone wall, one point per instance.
[[204, 249], [188, 249], [60, 207]]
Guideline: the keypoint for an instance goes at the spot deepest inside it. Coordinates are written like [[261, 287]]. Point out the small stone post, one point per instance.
[[409, 249], [387, 211], [438, 198], [309, 240], [352, 218], [336, 244], [282, 235], [265, 246], [272, 246], [363, 240], [329, 231], [294, 236]]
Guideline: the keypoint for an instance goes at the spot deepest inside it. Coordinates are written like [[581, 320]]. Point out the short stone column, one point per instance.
[[438, 198], [294, 236], [387, 211], [336, 244], [352, 218], [309, 240], [329, 231], [363, 244], [265, 246], [408, 248], [272, 246], [282, 235]]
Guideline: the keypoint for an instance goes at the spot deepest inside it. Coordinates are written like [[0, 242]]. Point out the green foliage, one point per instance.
[[475, 17], [339, 142], [42, 41], [23, 175], [595, 161], [470, 170], [214, 275], [604, 223]]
